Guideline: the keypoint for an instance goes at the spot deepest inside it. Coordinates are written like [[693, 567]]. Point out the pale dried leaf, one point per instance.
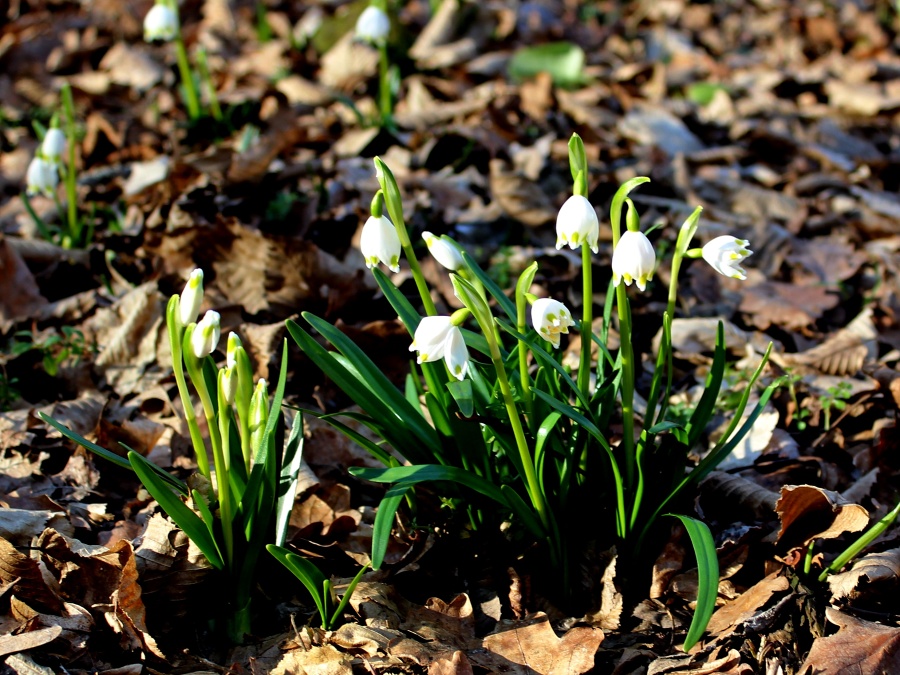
[[747, 604], [25, 575], [808, 512], [318, 660], [519, 197], [858, 647], [20, 296], [843, 353], [12, 644], [869, 575], [786, 305]]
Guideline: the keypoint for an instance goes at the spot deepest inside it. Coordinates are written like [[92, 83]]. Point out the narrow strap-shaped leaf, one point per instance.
[[384, 521], [707, 576], [192, 525], [208, 519], [707, 403], [308, 574], [342, 605], [518, 506], [507, 305], [407, 313], [429, 472], [287, 483]]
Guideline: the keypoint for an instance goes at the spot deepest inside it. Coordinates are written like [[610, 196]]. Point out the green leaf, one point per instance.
[[529, 517], [702, 93], [491, 287], [707, 576], [407, 313], [287, 483], [187, 520], [384, 521], [308, 574], [615, 207], [462, 394], [347, 594], [430, 472], [704, 410], [564, 61], [368, 445]]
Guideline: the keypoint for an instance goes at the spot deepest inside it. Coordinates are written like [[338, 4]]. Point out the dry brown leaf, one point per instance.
[[20, 526], [12, 644], [747, 604], [20, 296], [519, 197], [25, 576], [347, 64], [130, 67], [531, 646], [808, 512], [739, 493], [869, 575], [785, 305], [324, 660], [843, 353], [455, 663], [75, 621], [858, 647]]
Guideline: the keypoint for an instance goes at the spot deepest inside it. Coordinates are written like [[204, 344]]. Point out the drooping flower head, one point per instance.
[[54, 145], [161, 23], [550, 319], [436, 338], [379, 243], [633, 259], [443, 251], [206, 335], [191, 298], [42, 177], [725, 254], [577, 224], [373, 25]]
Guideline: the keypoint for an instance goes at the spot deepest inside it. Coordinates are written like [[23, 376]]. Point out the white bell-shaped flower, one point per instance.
[[161, 23], [436, 338], [577, 224], [725, 254], [42, 177], [54, 145], [191, 298], [443, 251], [550, 319], [206, 335], [373, 25], [379, 243], [633, 260]]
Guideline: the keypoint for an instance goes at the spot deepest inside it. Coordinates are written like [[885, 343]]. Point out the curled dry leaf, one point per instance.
[[808, 512], [843, 353], [786, 305], [20, 296], [20, 526], [869, 575], [747, 604], [858, 647], [28, 583]]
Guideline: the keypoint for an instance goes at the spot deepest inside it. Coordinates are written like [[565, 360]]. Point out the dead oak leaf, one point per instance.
[[786, 305], [858, 647], [534, 647]]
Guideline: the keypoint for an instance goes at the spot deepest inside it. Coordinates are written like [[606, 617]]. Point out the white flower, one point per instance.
[[550, 318], [42, 177], [379, 243], [54, 144], [228, 383], [234, 342], [633, 259], [373, 25], [161, 23], [259, 406], [436, 338], [577, 224], [206, 335], [725, 254], [443, 251], [191, 298]]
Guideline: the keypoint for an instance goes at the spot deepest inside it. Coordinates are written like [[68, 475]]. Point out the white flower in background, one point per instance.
[[54, 144], [725, 254], [436, 338], [577, 224], [161, 23], [42, 177], [550, 319], [633, 259], [191, 298], [206, 335], [373, 25], [379, 243], [234, 342], [443, 251]]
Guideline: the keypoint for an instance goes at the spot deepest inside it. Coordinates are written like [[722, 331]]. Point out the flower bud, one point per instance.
[[191, 298], [228, 383], [373, 25], [161, 23], [550, 318], [259, 413], [577, 224], [234, 342], [633, 260], [206, 335], [443, 251], [42, 177], [53, 145], [379, 243], [725, 254]]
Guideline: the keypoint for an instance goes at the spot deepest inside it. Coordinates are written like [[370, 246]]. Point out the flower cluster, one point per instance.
[[42, 176]]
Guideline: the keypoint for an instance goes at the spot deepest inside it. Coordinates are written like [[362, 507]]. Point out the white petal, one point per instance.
[[577, 224], [379, 242], [191, 298], [206, 335], [456, 354], [373, 25], [443, 251], [633, 259], [431, 337], [161, 23], [54, 144]]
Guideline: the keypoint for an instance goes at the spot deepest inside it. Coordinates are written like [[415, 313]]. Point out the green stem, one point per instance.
[[525, 383], [673, 283], [385, 104], [187, 78], [626, 355], [176, 334], [223, 460], [195, 370], [856, 547], [587, 295], [73, 236], [203, 67]]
